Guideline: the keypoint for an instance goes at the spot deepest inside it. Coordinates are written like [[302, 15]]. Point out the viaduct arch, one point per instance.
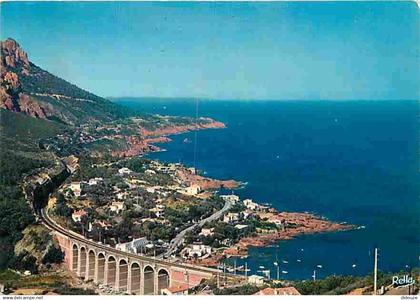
[[122, 271]]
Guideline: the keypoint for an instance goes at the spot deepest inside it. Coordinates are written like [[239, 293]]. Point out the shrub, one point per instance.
[[54, 256]]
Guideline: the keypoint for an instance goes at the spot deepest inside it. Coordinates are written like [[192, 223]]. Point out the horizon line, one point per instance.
[[191, 98]]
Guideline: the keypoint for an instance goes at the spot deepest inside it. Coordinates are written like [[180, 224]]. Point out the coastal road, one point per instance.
[[176, 241]]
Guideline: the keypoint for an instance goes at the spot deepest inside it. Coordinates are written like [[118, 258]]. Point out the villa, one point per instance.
[[196, 250], [192, 190], [116, 206], [232, 198], [249, 204], [95, 181], [256, 279], [207, 232], [124, 171], [78, 215], [135, 246], [76, 188], [231, 217]]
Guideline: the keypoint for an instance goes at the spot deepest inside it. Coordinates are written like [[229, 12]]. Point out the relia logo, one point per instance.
[[402, 281]]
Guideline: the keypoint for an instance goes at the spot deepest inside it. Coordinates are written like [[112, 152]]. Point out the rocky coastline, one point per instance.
[[203, 123], [303, 223], [145, 142]]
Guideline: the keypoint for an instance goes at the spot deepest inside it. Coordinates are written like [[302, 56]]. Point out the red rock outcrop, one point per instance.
[[304, 223], [205, 183], [204, 123], [138, 145], [13, 56], [14, 61]]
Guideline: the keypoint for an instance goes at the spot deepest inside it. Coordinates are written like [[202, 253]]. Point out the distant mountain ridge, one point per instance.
[[28, 89]]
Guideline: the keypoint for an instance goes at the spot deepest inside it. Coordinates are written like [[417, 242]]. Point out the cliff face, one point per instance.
[[15, 61], [13, 56], [26, 88]]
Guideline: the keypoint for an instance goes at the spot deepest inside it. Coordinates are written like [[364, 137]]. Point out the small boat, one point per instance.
[[354, 266], [319, 266], [285, 261], [284, 272], [186, 141], [276, 263], [262, 267], [298, 260], [301, 249]]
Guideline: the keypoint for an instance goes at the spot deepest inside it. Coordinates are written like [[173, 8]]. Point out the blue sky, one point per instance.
[[249, 50]]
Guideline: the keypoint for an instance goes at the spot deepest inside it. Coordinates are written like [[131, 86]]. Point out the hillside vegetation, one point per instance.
[[28, 89]]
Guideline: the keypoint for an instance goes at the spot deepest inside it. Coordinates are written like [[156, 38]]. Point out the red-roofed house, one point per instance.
[[78, 215]]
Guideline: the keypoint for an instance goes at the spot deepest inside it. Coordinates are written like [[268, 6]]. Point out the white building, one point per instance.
[[277, 221], [232, 198], [158, 210], [76, 188], [241, 226], [135, 246], [116, 206], [256, 279], [95, 181], [206, 231], [122, 195], [192, 190], [150, 172], [151, 189], [124, 171], [249, 204], [196, 250], [231, 217]]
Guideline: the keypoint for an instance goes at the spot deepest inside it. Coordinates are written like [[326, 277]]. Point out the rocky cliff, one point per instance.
[[27, 89]]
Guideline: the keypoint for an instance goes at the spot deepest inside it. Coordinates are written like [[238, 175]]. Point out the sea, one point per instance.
[[348, 161]]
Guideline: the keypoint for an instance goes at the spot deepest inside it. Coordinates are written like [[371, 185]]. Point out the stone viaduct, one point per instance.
[[122, 271]]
